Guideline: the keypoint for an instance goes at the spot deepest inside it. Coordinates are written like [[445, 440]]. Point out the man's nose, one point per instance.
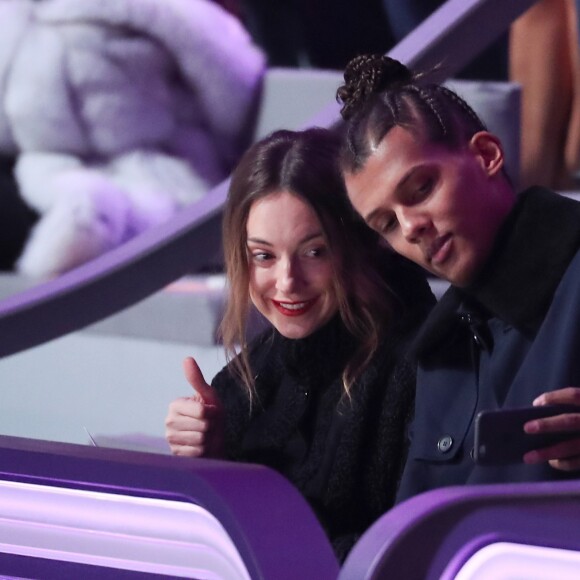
[[413, 224]]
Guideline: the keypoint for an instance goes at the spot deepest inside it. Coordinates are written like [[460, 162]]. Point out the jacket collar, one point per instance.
[[531, 254]]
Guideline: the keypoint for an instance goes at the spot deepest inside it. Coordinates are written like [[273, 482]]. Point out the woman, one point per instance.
[[422, 169], [324, 395]]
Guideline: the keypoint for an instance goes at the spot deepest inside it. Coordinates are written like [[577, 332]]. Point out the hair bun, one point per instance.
[[368, 74]]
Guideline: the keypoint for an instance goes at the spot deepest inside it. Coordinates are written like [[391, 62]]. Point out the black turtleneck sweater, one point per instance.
[[345, 456]]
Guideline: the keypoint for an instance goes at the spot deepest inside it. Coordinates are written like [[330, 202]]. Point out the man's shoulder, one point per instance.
[[571, 278]]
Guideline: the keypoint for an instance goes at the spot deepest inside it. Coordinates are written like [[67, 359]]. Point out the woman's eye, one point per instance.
[[318, 252], [261, 256]]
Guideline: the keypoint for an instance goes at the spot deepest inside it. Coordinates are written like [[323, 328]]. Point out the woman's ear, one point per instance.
[[488, 149]]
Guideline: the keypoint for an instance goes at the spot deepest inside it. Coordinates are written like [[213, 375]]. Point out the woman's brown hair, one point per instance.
[[304, 164]]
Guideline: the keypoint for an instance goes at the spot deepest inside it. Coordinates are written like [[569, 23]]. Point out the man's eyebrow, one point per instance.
[[369, 218], [410, 173]]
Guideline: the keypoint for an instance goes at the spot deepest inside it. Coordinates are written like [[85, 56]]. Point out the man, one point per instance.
[[422, 170]]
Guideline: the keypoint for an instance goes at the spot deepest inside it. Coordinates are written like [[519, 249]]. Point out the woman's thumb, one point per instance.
[[195, 378]]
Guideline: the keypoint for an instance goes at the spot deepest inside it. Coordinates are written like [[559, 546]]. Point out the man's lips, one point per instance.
[[294, 308], [439, 250]]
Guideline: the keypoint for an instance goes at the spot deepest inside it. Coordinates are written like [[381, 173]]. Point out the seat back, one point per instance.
[[86, 512], [464, 532]]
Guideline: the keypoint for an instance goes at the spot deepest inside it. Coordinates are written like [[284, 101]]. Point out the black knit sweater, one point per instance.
[[345, 456]]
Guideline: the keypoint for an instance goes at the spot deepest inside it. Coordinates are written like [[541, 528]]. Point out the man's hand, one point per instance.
[[564, 456]]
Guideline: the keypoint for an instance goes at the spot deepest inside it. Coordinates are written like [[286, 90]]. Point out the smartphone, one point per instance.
[[500, 438]]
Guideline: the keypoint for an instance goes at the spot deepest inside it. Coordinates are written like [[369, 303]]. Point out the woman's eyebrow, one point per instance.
[[310, 237], [305, 239], [259, 241]]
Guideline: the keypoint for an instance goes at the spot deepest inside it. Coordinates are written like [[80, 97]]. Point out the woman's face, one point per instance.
[[291, 271]]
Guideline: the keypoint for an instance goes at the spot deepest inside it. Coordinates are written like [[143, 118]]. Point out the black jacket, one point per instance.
[[498, 344], [345, 456]]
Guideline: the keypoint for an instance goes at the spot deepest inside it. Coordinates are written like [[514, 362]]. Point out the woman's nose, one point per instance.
[[288, 275]]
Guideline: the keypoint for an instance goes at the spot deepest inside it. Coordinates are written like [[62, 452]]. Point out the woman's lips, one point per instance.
[[439, 250], [294, 308]]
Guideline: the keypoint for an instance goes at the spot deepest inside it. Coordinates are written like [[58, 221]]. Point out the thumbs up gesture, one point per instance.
[[194, 426]]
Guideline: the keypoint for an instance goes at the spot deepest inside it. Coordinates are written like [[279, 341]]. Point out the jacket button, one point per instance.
[[445, 443]]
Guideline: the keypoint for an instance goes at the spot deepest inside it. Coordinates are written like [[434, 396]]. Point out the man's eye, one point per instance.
[[385, 226], [425, 186]]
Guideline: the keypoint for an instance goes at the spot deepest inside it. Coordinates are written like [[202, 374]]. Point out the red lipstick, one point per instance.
[[297, 308]]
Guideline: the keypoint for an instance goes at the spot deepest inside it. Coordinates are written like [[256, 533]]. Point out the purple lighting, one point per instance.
[[508, 561], [117, 531]]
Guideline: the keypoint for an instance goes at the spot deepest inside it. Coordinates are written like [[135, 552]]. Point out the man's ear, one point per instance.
[[489, 151]]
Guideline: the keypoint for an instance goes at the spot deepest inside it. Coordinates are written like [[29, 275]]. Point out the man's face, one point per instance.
[[437, 207]]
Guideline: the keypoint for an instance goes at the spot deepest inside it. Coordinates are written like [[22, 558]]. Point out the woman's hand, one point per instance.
[[194, 426], [565, 455]]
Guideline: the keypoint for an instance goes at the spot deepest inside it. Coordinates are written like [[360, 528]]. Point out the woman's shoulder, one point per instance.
[[393, 358], [258, 350], [407, 280]]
